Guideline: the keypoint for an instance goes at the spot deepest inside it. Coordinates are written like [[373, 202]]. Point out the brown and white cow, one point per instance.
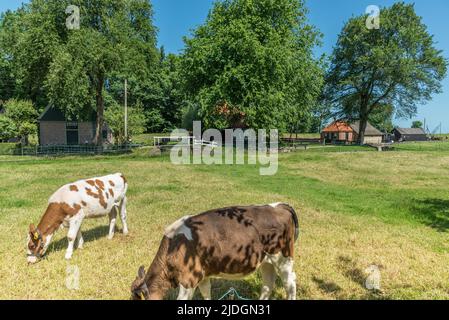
[[229, 243], [71, 204]]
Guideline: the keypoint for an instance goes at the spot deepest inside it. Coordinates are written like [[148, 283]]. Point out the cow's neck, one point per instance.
[[157, 278], [51, 221]]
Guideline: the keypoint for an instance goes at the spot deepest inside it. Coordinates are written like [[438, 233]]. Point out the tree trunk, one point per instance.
[[364, 114], [98, 140], [362, 128]]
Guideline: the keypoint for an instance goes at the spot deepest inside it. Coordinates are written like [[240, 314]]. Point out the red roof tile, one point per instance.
[[339, 126]]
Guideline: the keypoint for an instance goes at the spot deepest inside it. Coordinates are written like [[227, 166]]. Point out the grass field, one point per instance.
[[357, 208]]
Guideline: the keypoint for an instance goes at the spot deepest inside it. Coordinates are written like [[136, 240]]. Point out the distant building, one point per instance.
[[55, 129], [409, 134], [342, 132]]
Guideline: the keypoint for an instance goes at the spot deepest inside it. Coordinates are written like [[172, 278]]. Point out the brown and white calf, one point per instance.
[[71, 204], [229, 243]]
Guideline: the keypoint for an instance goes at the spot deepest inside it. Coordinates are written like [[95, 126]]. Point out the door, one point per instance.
[[72, 133]]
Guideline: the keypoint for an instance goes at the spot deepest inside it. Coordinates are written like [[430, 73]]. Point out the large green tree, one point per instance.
[[252, 62], [159, 93], [395, 66], [72, 68]]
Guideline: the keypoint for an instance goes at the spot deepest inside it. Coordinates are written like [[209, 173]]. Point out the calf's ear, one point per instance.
[[141, 273], [33, 232]]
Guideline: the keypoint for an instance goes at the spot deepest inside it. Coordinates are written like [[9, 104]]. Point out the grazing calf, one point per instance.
[[229, 243], [71, 204]]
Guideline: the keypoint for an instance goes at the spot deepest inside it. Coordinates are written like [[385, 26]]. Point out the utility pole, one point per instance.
[[126, 110]]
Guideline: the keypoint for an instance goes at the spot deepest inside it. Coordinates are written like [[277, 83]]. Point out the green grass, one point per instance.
[[356, 208], [436, 146], [147, 139]]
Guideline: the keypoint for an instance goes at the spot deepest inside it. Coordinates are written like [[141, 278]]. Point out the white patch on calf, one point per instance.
[[275, 205], [179, 227], [185, 293], [31, 259], [284, 267], [47, 243]]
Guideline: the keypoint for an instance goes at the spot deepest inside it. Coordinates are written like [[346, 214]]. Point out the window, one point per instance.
[[72, 125]]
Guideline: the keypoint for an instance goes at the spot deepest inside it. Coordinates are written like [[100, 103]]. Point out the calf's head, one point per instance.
[[35, 246], [139, 288]]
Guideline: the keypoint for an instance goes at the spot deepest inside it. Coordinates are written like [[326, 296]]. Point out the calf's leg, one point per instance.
[[288, 276], [205, 287], [123, 216], [75, 225], [269, 278], [80, 239], [112, 222], [185, 293]]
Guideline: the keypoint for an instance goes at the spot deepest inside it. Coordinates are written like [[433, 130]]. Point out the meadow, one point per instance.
[[356, 208]]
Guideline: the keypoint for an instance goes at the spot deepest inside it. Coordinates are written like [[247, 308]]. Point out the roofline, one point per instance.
[[44, 112]]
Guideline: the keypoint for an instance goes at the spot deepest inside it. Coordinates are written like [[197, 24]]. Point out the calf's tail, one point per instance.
[[295, 219]]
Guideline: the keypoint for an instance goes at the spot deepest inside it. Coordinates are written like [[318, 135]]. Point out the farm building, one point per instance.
[[55, 129], [410, 134], [347, 133]]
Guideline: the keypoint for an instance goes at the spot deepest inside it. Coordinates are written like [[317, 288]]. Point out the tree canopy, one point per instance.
[[72, 68], [395, 66], [417, 125], [251, 64]]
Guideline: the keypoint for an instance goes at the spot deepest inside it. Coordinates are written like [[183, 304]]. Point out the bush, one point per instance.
[[7, 148], [115, 118], [8, 129], [24, 117]]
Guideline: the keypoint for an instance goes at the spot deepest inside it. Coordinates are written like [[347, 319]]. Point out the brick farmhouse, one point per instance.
[[56, 129], [342, 132]]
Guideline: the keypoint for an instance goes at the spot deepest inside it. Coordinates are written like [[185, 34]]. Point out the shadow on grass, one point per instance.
[[350, 270], [328, 287], [434, 212], [88, 236]]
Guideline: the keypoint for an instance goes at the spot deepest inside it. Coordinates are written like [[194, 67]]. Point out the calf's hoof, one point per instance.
[[68, 256]]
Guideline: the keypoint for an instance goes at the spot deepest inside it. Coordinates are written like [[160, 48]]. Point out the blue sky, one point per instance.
[[175, 19]]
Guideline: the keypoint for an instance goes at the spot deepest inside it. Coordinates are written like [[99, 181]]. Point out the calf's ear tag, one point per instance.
[[142, 296], [36, 236]]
